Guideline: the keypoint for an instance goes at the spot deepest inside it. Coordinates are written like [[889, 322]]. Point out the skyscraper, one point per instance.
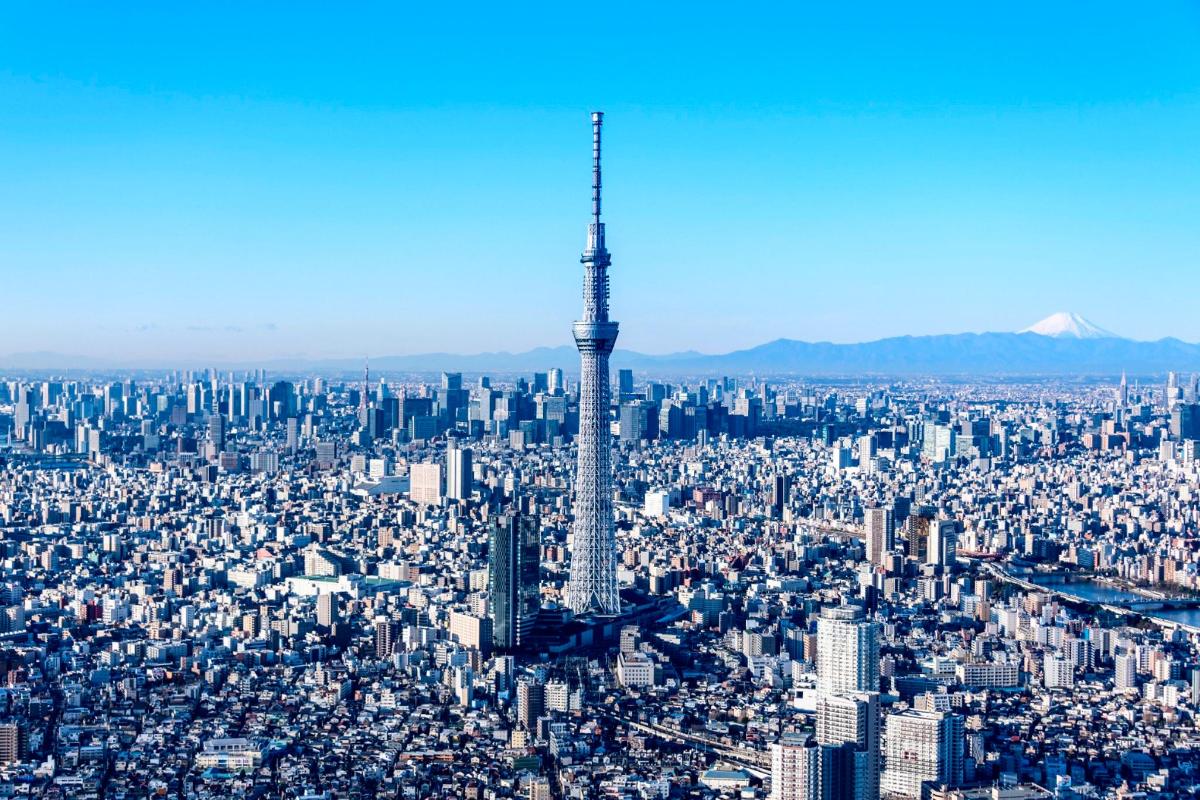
[[514, 561], [593, 584], [943, 543], [216, 431], [625, 382], [557, 385], [425, 483], [850, 720], [880, 533], [922, 746], [847, 651], [795, 768], [458, 470]]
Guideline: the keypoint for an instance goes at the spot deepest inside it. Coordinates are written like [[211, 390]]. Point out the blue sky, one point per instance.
[[227, 182]]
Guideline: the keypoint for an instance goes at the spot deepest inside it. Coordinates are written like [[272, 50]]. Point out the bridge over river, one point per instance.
[[1159, 608]]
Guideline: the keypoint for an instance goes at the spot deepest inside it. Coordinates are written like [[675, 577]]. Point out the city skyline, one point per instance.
[[322, 476], [849, 180]]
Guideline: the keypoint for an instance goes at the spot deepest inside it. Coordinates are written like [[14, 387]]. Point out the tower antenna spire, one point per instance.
[[597, 121]]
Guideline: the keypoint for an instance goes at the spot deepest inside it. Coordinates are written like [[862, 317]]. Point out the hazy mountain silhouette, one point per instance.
[[957, 354], [1062, 344]]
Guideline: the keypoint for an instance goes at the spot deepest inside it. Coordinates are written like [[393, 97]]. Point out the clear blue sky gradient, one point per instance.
[[252, 180]]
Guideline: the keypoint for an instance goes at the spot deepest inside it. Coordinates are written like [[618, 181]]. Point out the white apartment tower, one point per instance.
[[922, 746], [847, 651], [795, 769], [853, 718]]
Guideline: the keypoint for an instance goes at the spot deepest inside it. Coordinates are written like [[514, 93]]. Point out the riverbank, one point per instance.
[[1110, 596]]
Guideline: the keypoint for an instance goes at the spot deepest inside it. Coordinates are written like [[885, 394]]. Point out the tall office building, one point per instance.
[[922, 746], [593, 582], [514, 561], [557, 385], [795, 768], [293, 434], [425, 483], [848, 727], [216, 431], [938, 443], [22, 411], [458, 470], [1185, 422], [780, 484], [847, 651], [625, 382], [880, 533], [943, 543], [917, 531]]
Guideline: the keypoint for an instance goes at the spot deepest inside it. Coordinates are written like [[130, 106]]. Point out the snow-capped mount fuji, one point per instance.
[[1068, 325]]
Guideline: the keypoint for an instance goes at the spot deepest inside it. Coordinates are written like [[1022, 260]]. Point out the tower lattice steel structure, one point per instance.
[[593, 585]]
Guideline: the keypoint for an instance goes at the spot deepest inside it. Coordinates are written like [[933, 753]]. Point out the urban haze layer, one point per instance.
[[537, 586]]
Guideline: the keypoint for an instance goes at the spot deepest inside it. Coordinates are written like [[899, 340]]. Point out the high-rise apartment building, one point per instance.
[[1058, 672], [922, 746], [880, 532], [327, 609], [850, 720], [385, 637], [847, 651], [795, 768], [531, 703], [1126, 671], [13, 741], [471, 631]]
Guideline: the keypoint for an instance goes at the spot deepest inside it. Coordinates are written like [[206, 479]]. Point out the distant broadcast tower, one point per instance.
[[593, 585]]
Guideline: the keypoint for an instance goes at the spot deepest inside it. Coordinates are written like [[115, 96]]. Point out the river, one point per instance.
[[1094, 592]]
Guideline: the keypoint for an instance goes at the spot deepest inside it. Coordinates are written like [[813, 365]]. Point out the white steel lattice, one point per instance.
[[593, 584]]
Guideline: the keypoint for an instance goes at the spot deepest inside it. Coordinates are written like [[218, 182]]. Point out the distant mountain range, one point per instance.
[[1061, 344]]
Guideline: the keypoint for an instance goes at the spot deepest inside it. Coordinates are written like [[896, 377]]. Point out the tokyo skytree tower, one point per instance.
[[593, 584]]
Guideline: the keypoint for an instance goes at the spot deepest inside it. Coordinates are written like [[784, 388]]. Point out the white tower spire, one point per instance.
[[593, 584]]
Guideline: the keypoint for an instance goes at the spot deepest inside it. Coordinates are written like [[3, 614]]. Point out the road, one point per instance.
[[756, 762]]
